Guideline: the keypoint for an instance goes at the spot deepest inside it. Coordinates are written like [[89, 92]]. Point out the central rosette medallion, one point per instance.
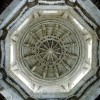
[[50, 50]]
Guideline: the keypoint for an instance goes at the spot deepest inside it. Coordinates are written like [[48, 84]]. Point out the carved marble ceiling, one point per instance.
[[51, 53]]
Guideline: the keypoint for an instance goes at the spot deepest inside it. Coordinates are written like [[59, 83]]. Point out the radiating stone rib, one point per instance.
[[86, 65], [45, 55], [55, 45], [44, 31], [45, 72], [43, 49], [36, 15], [34, 66], [51, 45], [51, 57], [48, 44], [14, 37], [14, 67], [65, 15], [57, 49], [33, 69], [67, 66], [49, 30], [28, 45], [56, 71], [29, 57], [71, 55], [56, 28], [46, 47], [48, 57], [64, 35], [57, 52], [43, 52], [36, 88], [33, 36], [70, 44], [55, 56], [86, 62], [65, 87], [37, 36]]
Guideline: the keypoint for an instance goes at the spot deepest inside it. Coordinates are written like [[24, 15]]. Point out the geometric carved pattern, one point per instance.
[[49, 50]]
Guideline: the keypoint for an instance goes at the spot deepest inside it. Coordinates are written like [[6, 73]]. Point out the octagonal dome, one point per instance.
[[50, 52]]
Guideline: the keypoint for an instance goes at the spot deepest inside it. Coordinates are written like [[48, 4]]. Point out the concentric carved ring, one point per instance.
[[49, 50]]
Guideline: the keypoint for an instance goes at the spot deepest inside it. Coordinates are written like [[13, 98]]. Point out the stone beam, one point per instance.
[[91, 12]]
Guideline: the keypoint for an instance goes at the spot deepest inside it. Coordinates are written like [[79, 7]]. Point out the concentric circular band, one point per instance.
[[49, 50]]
